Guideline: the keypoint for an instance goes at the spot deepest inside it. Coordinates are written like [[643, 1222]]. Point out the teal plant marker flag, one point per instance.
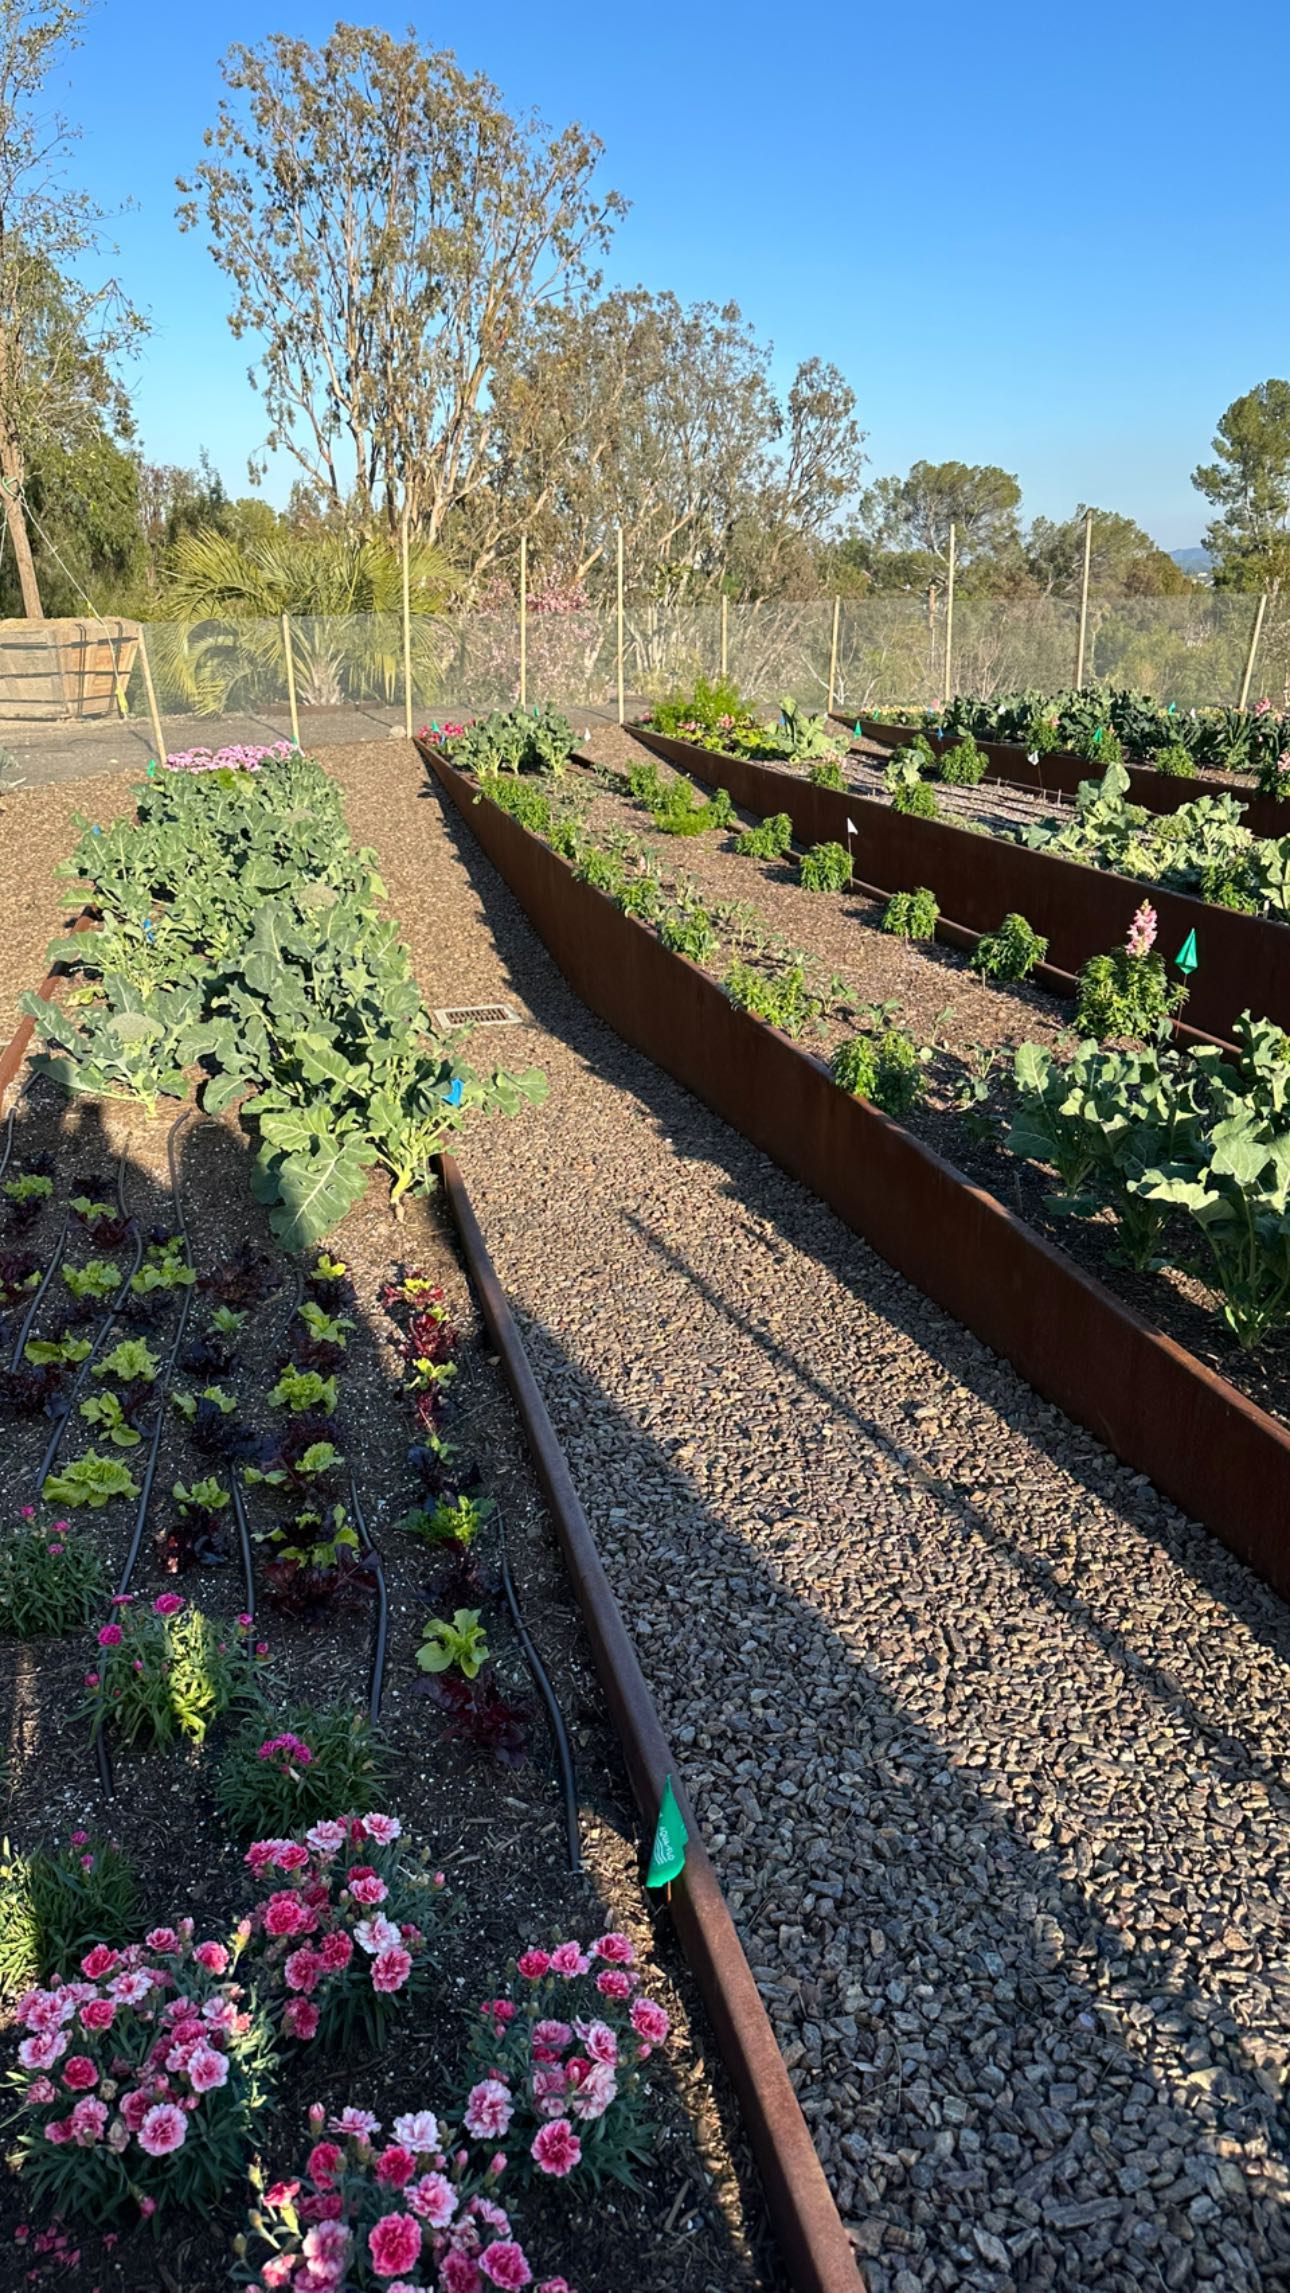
[[1187, 958], [667, 1856]]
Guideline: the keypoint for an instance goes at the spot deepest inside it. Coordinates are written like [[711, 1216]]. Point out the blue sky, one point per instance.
[[1035, 242]]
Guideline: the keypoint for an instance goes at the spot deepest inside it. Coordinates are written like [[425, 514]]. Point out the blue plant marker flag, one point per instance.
[[453, 1094], [1187, 958]]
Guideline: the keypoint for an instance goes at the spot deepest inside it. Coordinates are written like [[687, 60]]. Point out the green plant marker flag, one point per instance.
[[859, 734], [1097, 737], [667, 1855], [1187, 958]]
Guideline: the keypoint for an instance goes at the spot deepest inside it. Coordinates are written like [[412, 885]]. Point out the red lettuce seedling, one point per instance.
[[482, 1716]]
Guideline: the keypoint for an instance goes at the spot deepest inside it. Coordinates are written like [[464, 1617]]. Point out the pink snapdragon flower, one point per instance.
[[1142, 931]]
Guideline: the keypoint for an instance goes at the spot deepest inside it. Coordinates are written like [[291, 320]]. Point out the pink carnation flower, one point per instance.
[[396, 2166], [98, 1962], [390, 1970], [300, 2018], [163, 2129], [617, 1950], [551, 2037], [168, 1603], [212, 1956], [360, 2123], [162, 1939], [110, 1636], [650, 2021], [206, 2069], [489, 2109], [434, 2199], [384, 1829], [505, 2264], [394, 2244], [79, 2073], [365, 1886], [570, 1960], [302, 1969], [555, 2149], [534, 1965], [599, 2041], [335, 1952], [88, 2120], [418, 2130], [325, 1838]]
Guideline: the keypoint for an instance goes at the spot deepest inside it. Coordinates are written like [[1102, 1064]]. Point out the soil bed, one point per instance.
[[498, 1834]]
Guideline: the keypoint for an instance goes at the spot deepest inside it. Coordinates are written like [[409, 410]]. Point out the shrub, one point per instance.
[[345, 1935], [52, 1579], [681, 811], [1175, 761], [284, 1771], [1099, 744], [769, 840], [827, 774], [714, 705], [526, 804], [641, 897], [1128, 992], [563, 2051], [912, 915], [602, 870], [163, 2075], [884, 1069], [825, 868], [689, 931], [1011, 953], [962, 766], [165, 1669], [781, 999], [916, 800], [56, 1903]]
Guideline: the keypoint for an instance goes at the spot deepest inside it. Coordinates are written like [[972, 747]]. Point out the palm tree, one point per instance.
[[223, 600]]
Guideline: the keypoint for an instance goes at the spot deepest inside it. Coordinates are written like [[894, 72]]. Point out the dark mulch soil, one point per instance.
[[37, 830], [697, 2224]]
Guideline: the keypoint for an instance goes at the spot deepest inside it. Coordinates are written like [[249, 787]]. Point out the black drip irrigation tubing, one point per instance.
[[102, 1755], [46, 1278], [371, 1558], [78, 1383], [555, 1717]]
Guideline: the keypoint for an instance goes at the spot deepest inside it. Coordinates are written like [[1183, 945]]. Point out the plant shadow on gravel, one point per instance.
[[1033, 2090], [698, 2222]]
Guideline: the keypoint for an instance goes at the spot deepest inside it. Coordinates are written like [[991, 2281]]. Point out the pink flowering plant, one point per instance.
[[416, 2213], [239, 757], [1128, 994], [163, 1668], [52, 1577], [560, 2063], [344, 1938], [142, 2079], [285, 1771]]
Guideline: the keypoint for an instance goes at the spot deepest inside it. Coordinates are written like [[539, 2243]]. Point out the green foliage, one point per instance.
[[265, 1785], [132, 1359], [1011, 953], [173, 1671], [186, 1403], [713, 706], [28, 1186], [530, 806], [324, 1328], [963, 766], [60, 1353], [514, 740], [904, 778], [1175, 761], [460, 1644], [304, 1389], [56, 1904], [602, 870], [641, 896], [884, 1068], [825, 868], [105, 1413], [165, 1267], [827, 775], [681, 811], [443, 1523], [52, 1579], [689, 931], [94, 1282], [92, 1481], [769, 840], [1202, 847], [1126, 995], [782, 999], [208, 1496], [1100, 1122], [912, 915]]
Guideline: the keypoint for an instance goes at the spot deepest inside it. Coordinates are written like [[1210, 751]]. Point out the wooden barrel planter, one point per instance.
[[51, 670]]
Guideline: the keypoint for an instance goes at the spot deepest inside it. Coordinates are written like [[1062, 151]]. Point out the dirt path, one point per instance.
[[988, 1742]]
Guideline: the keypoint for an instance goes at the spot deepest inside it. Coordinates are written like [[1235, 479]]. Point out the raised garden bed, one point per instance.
[[340, 1610], [1080, 911], [1059, 772], [1154, 1404]]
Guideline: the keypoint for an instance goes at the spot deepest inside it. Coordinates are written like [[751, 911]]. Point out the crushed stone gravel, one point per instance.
[[987, 1741]]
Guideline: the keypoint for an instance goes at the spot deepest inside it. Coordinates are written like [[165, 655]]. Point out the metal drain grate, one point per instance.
[[476, 1015]]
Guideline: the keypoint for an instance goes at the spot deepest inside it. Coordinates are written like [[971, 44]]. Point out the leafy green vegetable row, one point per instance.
[[240, 930]]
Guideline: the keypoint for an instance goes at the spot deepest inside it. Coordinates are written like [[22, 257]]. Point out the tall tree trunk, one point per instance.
[[11, 470]]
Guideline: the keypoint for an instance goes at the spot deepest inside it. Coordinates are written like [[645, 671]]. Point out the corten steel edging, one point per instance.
[[19, 1043], [1224, 1461], [1061, 771], [978, 879], [814, 2244]]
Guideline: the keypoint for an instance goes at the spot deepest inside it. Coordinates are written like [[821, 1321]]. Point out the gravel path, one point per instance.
[[988, 1743]]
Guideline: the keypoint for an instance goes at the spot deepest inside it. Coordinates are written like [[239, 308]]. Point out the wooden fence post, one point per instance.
[[833, 654], [1083, 601], [622, 711], [157, 733], [291, 678], [725, 655], [949, 622], [524, 620], [1255, 634], [407, 634]]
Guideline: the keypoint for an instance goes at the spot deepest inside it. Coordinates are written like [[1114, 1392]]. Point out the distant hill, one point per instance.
[[1193, 561]]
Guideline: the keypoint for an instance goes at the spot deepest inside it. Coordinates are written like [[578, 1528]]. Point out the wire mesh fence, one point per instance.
[[228, 679]]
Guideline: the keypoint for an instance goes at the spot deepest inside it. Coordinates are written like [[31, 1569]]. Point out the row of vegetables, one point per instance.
[[1186, 1155], [1108, 725]]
